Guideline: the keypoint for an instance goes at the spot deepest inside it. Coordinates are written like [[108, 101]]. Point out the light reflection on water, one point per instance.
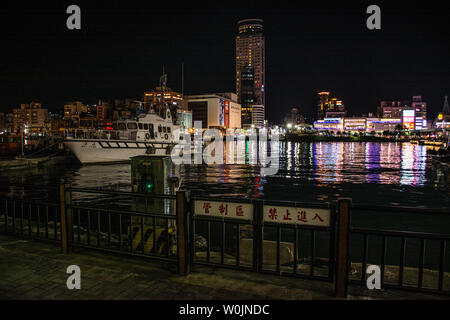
[[369, 172]]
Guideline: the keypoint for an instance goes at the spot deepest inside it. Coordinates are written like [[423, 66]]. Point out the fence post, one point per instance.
[[65, 222], [343, 237], [257, 236], [182, 234]]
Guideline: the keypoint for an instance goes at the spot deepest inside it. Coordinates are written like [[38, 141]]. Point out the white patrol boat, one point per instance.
[[149, 134]]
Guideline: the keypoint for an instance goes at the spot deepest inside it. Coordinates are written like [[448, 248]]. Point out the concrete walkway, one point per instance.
[[37, 270]]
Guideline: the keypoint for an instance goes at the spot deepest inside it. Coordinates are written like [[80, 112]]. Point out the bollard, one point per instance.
[[343, 234], [182, 234]]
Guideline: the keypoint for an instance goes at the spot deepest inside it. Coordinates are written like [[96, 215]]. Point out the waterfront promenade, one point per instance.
[[35, 270]]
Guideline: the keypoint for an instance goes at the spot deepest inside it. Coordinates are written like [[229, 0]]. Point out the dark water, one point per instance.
[[368, 172]]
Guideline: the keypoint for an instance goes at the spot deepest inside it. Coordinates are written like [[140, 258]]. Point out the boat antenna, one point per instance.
[[182, 80]]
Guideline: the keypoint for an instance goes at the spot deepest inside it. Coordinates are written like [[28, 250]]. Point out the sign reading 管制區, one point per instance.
[[242, 211], [291, 215]]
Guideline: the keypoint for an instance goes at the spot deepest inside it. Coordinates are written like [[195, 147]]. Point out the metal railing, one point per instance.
[[412, 277], [137, 231], [255, 245], [38, 220], [168, 228]]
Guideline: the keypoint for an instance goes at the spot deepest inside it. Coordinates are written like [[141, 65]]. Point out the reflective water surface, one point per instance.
[[368, 172]]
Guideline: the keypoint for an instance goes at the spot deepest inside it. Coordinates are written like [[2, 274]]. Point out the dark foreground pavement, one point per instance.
[[36, 270]]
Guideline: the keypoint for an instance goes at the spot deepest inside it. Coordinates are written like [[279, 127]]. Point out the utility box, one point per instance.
[[151, 175]]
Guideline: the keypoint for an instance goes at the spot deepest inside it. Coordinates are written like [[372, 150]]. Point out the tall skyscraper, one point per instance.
[[250, 67]]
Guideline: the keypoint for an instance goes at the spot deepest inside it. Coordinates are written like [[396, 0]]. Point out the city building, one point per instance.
[[258, 116], [442, 120], [328, 107], [393, 109], [383, 124], [420, 112], [358, 124], [184, 119], [104, 112], [161, 97], [247, 94], [250, 67], [216, 110], [413, 113], [72, 109], [29, 117], [293, 117]]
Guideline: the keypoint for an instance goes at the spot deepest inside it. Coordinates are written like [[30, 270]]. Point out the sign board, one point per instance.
[[303, 216], [232, 210]]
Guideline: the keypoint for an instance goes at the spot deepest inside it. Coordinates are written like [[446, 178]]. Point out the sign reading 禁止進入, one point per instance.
[[292, 215]]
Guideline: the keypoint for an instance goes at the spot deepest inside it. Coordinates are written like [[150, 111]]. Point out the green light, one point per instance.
[[149, 186]]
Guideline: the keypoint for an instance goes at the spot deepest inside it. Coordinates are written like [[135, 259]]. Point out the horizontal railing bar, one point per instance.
[[123, 193], [295, 226], [32, 202], [152, 256], [130, 213], [400, 209], [406, 234], [220, 219]]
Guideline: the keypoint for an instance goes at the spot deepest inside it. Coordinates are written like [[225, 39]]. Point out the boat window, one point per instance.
[[159, 129], [150, 129], [164, 129], [145, 126], [131, 125], [140, 126], [121, 126], [168, 129]]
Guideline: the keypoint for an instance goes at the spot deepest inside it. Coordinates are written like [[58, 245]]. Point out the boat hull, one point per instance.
[[110, 151]]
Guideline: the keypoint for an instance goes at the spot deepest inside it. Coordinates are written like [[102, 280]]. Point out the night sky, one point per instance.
[[123, 45]]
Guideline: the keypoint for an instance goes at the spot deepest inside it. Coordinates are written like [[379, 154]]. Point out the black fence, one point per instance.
[[268, 247], [408, 260], [171, 228], [37, 220]]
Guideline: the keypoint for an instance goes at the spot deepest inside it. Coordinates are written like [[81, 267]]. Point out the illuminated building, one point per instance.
[[443, 118], [420, 110], [382, 124], [294, 117], [73, 108], [329, 107], [395, 110], [409, 119], [247, 96], [104, 112], [330, 124], [184, 119], [161, 97], [216, 110], [258, 116], [357, 124], [32, 116], [250, 66]]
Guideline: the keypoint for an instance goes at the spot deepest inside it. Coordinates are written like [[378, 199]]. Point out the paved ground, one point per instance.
[[36, 270]]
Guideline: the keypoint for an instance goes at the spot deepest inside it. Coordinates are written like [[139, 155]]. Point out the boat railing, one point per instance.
[[100, 134]]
